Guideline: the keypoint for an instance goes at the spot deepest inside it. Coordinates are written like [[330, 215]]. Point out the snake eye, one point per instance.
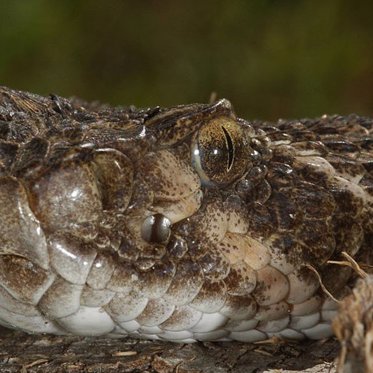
[[220, 151]]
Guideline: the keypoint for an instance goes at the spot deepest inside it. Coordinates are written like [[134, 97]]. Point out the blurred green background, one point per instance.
[[270, 58]]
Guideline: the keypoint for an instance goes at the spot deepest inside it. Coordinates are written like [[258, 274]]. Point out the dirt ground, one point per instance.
[[20, 352]]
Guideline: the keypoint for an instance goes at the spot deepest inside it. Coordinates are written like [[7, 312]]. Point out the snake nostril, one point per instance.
[[156, 229]]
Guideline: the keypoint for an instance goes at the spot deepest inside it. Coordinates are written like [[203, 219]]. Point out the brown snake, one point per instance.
[[180, 224]]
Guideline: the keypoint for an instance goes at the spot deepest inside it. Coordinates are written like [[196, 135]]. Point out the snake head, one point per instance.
[[185, 223]]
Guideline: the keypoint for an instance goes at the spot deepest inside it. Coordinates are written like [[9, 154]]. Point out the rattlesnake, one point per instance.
[[183, 224]]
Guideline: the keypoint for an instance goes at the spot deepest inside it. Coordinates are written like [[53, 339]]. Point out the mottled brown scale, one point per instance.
[[186, 283], [283, 208], [215, 266], [8, 153], [313, 200], [61, 299], [183, 223], [181, 319], [211, 297], [31, 154], [156, 280], [239, 307], [241, 280], [262, 221], [23, 279], [317, 240], [347, 167]]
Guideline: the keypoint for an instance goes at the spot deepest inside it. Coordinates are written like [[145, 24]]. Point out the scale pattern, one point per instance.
[[106, 229]]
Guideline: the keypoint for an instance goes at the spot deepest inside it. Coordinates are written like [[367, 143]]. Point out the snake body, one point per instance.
[[183, 224]]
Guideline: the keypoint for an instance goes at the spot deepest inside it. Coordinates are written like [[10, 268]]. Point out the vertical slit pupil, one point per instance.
[[230, 147]]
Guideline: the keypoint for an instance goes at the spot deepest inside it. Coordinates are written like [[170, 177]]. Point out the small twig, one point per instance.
[[342, 358], [323, 287], [32, 364], [351, 262]]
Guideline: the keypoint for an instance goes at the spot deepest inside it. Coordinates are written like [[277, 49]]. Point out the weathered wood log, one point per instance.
[[21, 352]]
